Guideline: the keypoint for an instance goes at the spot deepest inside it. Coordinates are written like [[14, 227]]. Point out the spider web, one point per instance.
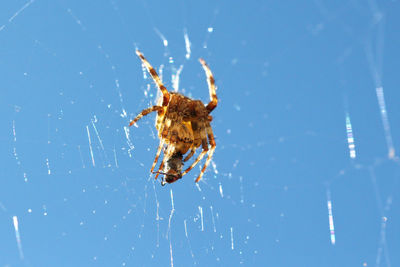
[[305, 171]]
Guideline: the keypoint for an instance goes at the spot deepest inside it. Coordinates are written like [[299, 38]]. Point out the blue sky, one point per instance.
[[288, 75]]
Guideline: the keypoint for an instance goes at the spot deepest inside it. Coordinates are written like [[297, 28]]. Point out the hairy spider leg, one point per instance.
[[144, 113], [210, 152], [159, 169], [138, 117], [166, 96], [155, 77], [192, 151], [204, 145], [211, 86], [198, 159], [166, 155], [160, 146]]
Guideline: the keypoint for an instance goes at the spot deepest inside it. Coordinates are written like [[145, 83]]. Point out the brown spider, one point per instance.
[[183, 124]]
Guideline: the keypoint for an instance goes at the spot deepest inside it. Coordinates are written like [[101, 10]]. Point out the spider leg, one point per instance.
[[144, 113], [164, 133], [192, 151], [166, 155], [159, 169], [210, 153], [211, 86], [204, 146], [198, 159], [155, 77], [160, 146]]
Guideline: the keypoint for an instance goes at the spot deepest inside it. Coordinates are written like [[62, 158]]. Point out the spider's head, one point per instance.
[[173, 168]]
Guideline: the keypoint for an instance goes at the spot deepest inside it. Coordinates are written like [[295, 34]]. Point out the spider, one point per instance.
[[183, 125]]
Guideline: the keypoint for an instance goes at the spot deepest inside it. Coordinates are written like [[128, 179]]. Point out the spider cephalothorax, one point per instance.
[[183, 124]]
